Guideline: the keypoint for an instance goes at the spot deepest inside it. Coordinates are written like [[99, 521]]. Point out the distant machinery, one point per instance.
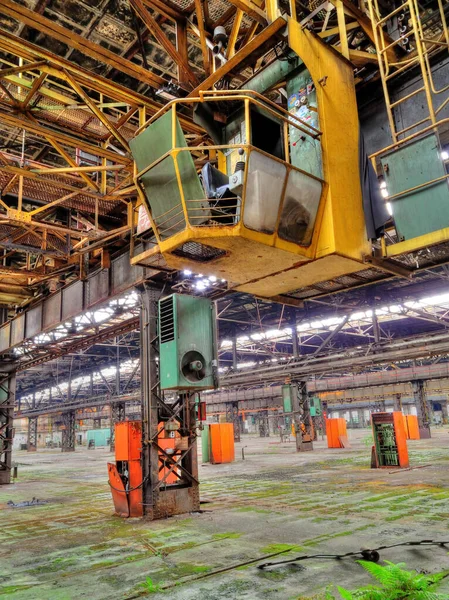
[[390, 442]]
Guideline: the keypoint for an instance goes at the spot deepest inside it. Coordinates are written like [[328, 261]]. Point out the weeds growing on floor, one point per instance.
[[396, 583]]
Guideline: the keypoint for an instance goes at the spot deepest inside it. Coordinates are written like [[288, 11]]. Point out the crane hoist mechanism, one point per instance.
[[280, 198]]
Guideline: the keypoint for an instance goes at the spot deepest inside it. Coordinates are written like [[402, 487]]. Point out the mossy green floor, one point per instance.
[[276, 501]]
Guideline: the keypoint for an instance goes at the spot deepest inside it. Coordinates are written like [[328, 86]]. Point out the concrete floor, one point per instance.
[[328, 501]]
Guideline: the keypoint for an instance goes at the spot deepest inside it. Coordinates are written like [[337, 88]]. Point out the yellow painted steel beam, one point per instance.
[[156, 30], [251, 9], [63, 138], [60, 150], [27, 174], [12, 44], [342, 28], [234, 33], [97, 112], [260, 39], [78, 169], [22, 69], [33, 90], [417, 243], [165, 8], [202, 32], [360, 58], [74, 40]]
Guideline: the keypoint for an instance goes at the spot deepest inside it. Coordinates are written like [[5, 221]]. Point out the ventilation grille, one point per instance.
[[198, 252], [167, 319]]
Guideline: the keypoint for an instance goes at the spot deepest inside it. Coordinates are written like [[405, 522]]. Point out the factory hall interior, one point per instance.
[[224, 299]]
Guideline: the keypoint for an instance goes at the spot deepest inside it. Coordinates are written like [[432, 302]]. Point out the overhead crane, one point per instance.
[[272, 200]]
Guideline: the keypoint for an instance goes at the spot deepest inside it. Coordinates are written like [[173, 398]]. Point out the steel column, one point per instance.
[[295, 339], [7, 399], [444, 412], [264, 424], [422, 409], [301, 417], [397, 402], [117, 415], [32, 434], [68, 431], [162, 499], [232, 416], [234, 353]]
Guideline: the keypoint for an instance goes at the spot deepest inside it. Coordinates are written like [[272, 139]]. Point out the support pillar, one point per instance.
[[397, 402], [301, 417], [68, 431], [32, 434], [444, 412], [117, 415], [264, 424], [7, 399], [162, 499], [234, 354], [422, 408], [295, 339], [361, 416], [232, 416]]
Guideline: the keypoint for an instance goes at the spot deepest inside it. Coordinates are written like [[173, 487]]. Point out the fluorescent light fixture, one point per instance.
[[383, 185], [445, 155], [384, 193], [389, 209]]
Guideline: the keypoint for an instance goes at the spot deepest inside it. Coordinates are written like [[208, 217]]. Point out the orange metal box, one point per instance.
[[221, 439], [167, 443], [335, 428], [407, 435], [128, 440], [401, 440], [413, 427]]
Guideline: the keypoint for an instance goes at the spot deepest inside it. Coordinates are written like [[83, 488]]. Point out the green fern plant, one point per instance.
[[396, 584]]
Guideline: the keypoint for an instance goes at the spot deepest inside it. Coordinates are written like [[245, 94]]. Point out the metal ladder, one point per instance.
[[422, 49]]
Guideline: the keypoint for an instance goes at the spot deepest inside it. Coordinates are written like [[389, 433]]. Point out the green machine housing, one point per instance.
[[187, 343]]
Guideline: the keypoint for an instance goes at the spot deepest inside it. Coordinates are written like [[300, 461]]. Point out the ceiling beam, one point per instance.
[[76, 41], [162, 38], [63, 138], [166, 8], [251, 9], [247, 51], [203, 39], [11, 44]]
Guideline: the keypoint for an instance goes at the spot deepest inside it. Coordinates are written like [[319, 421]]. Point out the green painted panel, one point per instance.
[[100, 437], [287, 398], [187, 331], [305, 151], [205, 451], [161, 184], [425, 210]]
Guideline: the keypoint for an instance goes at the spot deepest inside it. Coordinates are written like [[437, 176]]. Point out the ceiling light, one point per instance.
[[212, 278], [384, 193], [383, 185], [169, 91], [445, 155], [187, 272]]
